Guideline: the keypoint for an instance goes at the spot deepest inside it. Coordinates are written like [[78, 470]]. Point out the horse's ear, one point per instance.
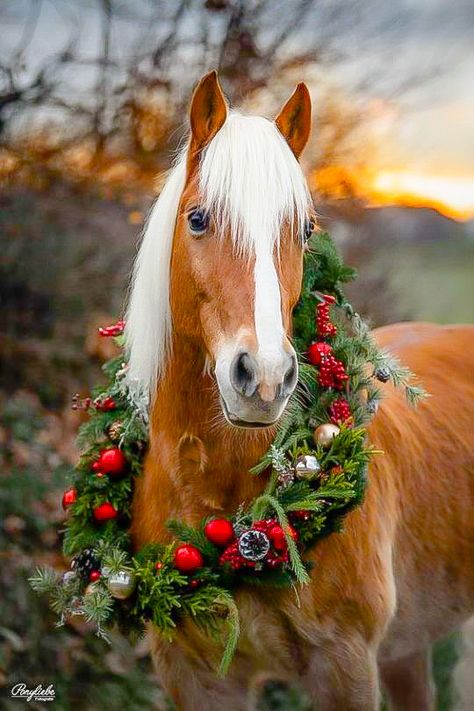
[[208, 111], [294, 120]]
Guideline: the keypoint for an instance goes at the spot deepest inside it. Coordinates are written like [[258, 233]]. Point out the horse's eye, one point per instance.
[[198, 221], [308, 229]]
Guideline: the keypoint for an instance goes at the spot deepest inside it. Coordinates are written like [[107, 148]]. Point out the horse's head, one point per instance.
[[242, 208]]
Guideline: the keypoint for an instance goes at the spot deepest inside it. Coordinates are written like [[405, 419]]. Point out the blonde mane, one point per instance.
[[249, 180]]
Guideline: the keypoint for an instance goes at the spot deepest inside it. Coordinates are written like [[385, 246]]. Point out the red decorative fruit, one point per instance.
[[111, 461], [111, 331], [105, 512], [69, 498], [94, 575], [317, 352], [277, 537], [187, 558], [105, 403], [219, 531]]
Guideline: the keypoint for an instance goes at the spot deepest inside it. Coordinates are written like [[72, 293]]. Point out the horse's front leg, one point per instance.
[[342, 675]]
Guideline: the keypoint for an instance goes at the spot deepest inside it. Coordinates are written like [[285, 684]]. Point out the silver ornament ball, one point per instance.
[[121, 585], [307, 466]]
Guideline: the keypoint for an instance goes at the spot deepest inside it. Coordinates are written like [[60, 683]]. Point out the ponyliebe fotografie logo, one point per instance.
[[21, 691]]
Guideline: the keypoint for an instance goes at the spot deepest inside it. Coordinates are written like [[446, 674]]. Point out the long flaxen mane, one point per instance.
[[249, 180]]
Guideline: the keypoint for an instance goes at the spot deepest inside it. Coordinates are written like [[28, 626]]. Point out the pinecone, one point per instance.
[[114, 431], [383, 374], [85, 563]]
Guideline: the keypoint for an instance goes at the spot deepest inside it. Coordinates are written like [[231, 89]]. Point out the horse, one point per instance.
[[209, 337]]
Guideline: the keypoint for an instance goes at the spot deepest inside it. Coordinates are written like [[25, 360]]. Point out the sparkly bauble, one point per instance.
[[307, 466], [111, 461], [340, 412], [121, 584], [219, 531], [158, 565], [114, 431], [94, 576], [254, 545], [85, 562], [188, 558], [69, 498], [317, 352], [383, 374], [324, 434], [105, 512]]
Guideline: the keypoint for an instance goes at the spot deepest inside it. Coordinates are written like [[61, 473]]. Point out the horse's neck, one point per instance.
[[197, 464]]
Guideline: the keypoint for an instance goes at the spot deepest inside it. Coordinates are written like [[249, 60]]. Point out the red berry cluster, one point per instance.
[[332, 373], [324, 326], [79, 403], [340, 412], [277, 554], [104, 403], [115, 330]]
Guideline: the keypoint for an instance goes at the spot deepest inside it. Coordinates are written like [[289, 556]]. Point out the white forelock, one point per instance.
[[249, 180]]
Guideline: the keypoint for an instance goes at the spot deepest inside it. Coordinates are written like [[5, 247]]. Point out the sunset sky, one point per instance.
[[410, 62]]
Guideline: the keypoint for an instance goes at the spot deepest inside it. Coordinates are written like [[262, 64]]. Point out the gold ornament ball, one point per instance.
[[324, 434], [121, 584]]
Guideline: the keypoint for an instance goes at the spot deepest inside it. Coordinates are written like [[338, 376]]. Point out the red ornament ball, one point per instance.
[[317, 352], [69, 498], [105, 512], [187, 558], [111, 461], [158, 565], [94, 575], [219, 531]]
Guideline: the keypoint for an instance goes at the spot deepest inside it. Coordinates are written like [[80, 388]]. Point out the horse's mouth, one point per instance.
[[243, 424]]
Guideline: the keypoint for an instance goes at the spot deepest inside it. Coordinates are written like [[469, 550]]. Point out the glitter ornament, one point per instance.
[[254, 545]]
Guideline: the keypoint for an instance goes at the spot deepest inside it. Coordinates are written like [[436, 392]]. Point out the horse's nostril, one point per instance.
[[291, 376], [243, 374]]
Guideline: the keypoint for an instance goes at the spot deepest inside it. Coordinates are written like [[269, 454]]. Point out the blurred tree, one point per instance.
[[112, 84]]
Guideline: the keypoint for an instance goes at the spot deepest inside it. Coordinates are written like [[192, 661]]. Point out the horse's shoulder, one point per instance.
[[422, 338]]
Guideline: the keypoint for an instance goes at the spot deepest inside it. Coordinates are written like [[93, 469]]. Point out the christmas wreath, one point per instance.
[[315, 468]]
